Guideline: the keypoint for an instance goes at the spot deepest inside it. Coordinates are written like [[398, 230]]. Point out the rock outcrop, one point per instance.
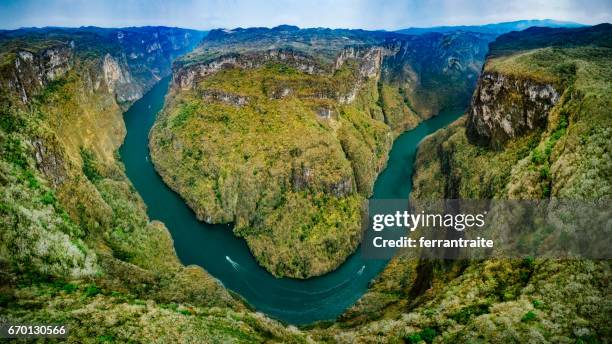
[[370, 57], [134, 59], [33, 70], [504, 107], [49, 161], [119, 80], [185, 76], [370, 61], [224, 97]]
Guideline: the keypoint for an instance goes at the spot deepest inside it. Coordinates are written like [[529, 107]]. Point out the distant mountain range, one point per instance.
[[497, 29]]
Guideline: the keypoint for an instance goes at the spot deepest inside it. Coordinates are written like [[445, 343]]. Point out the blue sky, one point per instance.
[[366, 14]]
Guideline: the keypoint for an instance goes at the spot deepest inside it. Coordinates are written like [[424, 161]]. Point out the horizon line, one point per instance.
[[301, 28]]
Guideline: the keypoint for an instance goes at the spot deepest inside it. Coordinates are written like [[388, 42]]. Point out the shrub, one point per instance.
[[33, 182], [48, 198], [10, 122], [92, 290], [108, 338], [529, 316], [89, 165], [545, 172], [428, 334], [537, 157], [412, 338], [14, 152], [464, 315], [537, 304], [69, 288]]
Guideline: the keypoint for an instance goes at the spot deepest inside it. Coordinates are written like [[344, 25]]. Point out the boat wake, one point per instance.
[[235, 265], [360, 272]]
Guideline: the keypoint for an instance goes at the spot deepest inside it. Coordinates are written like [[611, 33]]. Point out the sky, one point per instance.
[[364, 14]]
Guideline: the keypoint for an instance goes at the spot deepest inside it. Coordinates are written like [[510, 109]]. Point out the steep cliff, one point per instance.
[[504, 107], [537, 117], [436, 71], [127, 61]]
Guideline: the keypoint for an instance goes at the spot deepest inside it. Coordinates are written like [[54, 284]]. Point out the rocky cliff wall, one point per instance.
[[186, 76], [31, 71], [504, 107], [125, 62]]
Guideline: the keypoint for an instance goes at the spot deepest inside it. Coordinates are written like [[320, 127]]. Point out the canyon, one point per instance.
[[78, 245]]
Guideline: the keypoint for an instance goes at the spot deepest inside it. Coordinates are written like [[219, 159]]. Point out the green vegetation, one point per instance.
[[286, 139], [428, 334], [76, 246], [529, 316], [466, 313], [528, 300], [89, 168], [287, 176], [566, 158]]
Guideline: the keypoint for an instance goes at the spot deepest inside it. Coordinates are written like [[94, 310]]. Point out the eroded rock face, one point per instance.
[[280, 93], [370, 61], [325, 112], [32, 71], [186, 77], [304, 178], [225, 97], [49, 161], [119, 80], [504, 107]]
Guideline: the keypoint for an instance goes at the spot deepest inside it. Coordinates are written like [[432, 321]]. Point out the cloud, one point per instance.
[[367, 14]]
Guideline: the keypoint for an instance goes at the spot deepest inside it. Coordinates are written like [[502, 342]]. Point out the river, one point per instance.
[[227, 258]]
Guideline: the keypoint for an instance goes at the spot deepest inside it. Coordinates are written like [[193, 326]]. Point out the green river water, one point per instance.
[[228, 258]]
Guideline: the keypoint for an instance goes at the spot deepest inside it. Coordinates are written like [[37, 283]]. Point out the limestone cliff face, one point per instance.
[[370, 62], [224, 97], [436, 71], [119, 80], [371, 58], [504, 107], [186, 76], [304, 178], [122, 62], [31, 71]]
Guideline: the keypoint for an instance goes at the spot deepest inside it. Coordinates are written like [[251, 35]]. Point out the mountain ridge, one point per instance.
[[495, 28]]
